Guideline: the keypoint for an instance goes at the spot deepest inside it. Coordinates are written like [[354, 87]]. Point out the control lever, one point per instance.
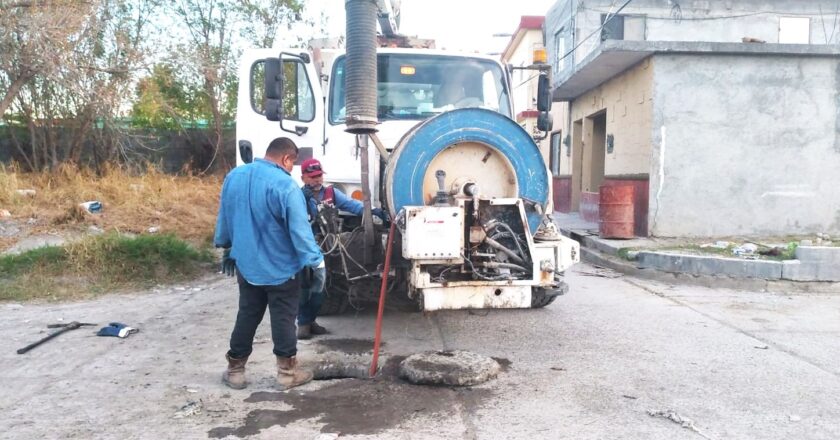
[[442, 197]]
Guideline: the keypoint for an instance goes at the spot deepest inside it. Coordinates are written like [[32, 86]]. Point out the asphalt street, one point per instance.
[[616, 358]]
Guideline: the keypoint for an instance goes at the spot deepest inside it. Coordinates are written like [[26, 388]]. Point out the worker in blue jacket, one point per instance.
[[316, 193], [264, 228]]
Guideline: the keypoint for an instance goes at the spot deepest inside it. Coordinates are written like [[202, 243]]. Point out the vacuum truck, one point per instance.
[[428, 136]]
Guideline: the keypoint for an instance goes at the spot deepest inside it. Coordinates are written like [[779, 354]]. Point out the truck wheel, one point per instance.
[[541, 297], [335, 303]]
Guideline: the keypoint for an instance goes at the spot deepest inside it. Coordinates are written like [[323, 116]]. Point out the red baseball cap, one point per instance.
[[311, 168]]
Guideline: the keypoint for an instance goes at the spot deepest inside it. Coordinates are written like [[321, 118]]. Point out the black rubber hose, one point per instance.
[[360, 66]]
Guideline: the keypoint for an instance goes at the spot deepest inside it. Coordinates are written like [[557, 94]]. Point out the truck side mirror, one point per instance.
[[273, 89], [545, 122], [543, 93]]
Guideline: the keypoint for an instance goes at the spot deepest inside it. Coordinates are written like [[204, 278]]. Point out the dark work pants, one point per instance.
[[282, 302], [310, 304]]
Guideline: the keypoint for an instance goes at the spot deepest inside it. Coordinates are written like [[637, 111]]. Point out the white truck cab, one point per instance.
[[412, 85]]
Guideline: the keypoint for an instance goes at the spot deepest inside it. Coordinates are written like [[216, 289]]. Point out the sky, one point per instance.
[[464, 25]]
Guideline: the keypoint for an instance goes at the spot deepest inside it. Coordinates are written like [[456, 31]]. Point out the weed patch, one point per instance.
[[96, 264]]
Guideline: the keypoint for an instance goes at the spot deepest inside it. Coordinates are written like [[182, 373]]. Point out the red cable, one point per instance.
[[378, 336]]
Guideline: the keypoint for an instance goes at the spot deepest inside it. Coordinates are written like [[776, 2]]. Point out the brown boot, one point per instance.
[[304, 331], [288, 375], [234, 377]]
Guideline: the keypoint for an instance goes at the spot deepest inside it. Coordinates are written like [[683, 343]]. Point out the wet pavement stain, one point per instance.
[[346, 345], [356, 406]]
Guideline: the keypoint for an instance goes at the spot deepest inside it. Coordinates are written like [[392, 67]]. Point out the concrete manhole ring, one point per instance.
[[451, 367]]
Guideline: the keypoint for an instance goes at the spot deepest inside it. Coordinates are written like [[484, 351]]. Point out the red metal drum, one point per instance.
[[616, 211]]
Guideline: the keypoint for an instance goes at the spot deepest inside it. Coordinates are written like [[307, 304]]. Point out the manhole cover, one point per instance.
[[454, 368]]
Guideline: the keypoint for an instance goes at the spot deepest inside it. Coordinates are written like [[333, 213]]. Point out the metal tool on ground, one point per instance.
[[64, 328]]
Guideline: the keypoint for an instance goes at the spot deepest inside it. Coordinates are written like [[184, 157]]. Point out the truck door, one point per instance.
[[303, 113]]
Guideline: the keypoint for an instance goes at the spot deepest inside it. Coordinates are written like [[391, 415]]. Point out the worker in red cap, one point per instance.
[[316, 193]]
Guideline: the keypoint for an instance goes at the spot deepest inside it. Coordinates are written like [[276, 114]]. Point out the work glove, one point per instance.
[[228, 264], [383, 215], [319, 277], [307, 192], [117, 329]]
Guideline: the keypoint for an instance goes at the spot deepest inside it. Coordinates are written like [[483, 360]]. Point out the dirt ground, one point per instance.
[[615, 358]]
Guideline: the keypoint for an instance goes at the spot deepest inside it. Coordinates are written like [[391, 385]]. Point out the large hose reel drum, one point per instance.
[[470, 145]]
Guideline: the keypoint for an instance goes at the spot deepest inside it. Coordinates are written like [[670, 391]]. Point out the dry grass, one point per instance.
[[185, 206]]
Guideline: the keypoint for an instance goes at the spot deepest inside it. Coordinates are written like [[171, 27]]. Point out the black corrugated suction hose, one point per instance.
[[360, 65]]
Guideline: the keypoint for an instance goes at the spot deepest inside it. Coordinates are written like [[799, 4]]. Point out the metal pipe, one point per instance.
[[367, 214], [497, 265]]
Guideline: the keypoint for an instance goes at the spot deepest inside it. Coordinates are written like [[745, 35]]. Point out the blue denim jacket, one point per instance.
[[262, 218]]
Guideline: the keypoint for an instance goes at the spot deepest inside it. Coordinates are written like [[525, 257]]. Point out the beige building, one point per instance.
[[520, 53]]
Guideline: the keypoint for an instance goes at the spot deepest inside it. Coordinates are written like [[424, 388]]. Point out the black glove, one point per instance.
[[228, 264], [307, 192], [383, 215]]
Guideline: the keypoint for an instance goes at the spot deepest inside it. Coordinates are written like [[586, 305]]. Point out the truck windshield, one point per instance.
[[412, 86]]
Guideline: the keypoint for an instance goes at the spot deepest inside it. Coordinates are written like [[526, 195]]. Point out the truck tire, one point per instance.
[[541, 297], [335, 303]]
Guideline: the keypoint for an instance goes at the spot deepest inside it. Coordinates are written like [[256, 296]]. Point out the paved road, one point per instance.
[[594, 364]]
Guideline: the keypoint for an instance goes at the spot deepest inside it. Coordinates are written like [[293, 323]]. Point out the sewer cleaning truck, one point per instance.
[[426, 135]]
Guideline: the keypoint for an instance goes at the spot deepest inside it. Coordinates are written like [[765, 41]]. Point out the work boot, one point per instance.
[[288, 375], [234, 377], [304, 331], [315, 329]]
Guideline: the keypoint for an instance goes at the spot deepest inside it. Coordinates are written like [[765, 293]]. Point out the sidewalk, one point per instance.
[[814, 267]]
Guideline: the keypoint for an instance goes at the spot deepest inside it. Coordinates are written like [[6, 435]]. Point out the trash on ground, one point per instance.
[[5, 213], [762, 347], [598, 271], [627, 396], [192, 408], [117, 329], [93, 206], [153, 230], [671, 415], [26, 192], [716, 245], [745, 250]]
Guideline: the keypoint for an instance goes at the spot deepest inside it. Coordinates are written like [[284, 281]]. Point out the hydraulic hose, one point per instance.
[[377, 339]]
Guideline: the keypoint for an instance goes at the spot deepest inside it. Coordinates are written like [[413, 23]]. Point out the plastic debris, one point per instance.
[[685, 422], [192, 408], [745, 249], [93, 206], [716, 245], [5, 213], [26, 192], [153, 230]]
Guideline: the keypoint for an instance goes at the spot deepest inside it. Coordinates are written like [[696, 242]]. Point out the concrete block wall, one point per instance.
[[745, 145]]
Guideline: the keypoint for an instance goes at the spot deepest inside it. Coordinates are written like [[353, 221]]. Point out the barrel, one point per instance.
[[616, 211]]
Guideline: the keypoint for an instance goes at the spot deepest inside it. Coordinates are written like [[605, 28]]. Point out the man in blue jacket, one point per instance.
[[264, 228]]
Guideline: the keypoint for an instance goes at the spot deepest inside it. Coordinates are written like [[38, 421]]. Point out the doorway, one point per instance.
[[595, 157]]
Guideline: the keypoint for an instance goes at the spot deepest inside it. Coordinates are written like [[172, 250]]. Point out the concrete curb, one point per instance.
[[816, 270]]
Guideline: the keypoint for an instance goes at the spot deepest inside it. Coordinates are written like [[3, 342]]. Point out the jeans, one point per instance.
[[310, 304], [282, 303]]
